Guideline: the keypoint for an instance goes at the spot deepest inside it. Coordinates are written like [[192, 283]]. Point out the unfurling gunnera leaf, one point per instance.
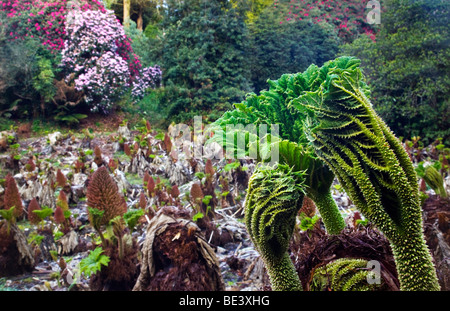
[[274, 196], [369, 162]]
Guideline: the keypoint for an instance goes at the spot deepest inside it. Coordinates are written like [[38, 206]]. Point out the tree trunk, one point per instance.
[[43, 106], [140, 20], [126, 12]]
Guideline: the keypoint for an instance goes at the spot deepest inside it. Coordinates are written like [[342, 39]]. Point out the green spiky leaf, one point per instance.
[[369, 162], [345, 274], [93, 262]]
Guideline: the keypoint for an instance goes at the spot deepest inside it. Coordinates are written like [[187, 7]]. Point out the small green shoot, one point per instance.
[[207, 199], [160, 136], [198, 216], [228, 167], [43, 213], [8, 215], [307, 223], [35, 239], [200, 175], [93, 262], [132, 217], [362, 222]]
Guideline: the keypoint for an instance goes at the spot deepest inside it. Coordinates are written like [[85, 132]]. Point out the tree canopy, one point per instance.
[[407, 67]]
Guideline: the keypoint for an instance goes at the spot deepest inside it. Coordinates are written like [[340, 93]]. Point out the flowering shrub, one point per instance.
[[89, 52], [36, 19], [41, 19], [150, 78], [348, 17], [97, 57], [142, 78], [99, 53]]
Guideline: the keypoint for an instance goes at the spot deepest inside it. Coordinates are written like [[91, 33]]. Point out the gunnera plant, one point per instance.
[[61, 180], [33, 206], [327, 128], [12, 197], [16, 256], [15, 253], [236, 131], [106, 210], [345, 274], [103, 195], [369, 161], [98, 159], [274, 197]]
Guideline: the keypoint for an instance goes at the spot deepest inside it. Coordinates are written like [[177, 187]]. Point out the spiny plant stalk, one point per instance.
[[269, 108], [273, 199], [369, 162], [318, 181], [117, 224]]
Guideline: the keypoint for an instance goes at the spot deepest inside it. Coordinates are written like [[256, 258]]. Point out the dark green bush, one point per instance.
[[203, 58], [27, 71], [288, 47], [407, 68]]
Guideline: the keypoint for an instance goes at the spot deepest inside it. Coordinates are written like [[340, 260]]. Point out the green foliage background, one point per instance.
[[202, 54], [281, 47], [212, 53], [407, 68]]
